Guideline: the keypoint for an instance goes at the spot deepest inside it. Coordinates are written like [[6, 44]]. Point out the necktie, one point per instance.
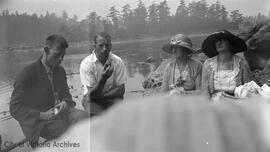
[[55, 94]]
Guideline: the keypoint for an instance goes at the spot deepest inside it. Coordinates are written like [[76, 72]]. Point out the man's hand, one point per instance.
[[62, 106], [47, 115], [97, 91], [107, 70]]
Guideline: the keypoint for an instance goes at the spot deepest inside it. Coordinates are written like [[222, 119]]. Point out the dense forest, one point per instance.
[[142, 21]]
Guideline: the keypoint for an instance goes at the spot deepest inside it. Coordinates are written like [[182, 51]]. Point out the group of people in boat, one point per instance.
[[42, 104]]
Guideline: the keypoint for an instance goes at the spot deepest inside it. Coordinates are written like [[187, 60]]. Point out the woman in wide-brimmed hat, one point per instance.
[[182, 71], [224, 71]]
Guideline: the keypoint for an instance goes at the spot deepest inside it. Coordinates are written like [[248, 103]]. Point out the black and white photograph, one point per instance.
[[134, 75]]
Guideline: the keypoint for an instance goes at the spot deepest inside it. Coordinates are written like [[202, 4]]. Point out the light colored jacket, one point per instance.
[[242, 77], [193, 81]]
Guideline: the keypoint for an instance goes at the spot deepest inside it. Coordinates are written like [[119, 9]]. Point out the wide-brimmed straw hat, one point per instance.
[[209, 44], [179, 40]]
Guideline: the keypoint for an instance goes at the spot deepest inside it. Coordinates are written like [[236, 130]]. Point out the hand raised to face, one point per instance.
[[107, 70]]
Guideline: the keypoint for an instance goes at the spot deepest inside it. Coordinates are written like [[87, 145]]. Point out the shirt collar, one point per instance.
[[94, 57], [47, 68]]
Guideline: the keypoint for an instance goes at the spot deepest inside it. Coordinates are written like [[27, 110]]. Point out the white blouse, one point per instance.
[[225, 80]]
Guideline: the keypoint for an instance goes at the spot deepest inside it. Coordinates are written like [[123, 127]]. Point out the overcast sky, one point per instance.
[[83, 7]]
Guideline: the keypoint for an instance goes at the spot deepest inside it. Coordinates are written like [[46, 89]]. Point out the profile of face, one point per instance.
[[223, 45], [178, 51], [54, 55], [102, 48]]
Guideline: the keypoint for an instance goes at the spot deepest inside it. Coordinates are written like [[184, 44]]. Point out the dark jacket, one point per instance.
[[33, 94]]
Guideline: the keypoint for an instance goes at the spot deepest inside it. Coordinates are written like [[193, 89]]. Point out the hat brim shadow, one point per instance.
[[168, 48]]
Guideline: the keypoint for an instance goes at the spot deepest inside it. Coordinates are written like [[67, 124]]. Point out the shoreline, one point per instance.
[[36, 48]]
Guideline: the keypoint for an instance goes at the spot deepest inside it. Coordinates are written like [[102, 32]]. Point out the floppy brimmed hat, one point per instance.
[[179, 40], [209, 44]]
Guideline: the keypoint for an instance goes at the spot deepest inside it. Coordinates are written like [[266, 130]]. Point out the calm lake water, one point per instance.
[[134, 55]]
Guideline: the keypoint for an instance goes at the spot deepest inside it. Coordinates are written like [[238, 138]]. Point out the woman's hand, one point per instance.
[[188, 85], [179, 82]]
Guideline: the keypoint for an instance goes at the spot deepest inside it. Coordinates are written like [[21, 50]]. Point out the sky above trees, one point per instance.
[[83, 7]]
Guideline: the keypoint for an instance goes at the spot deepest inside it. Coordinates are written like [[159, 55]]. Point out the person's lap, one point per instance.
[[96, 107], [76, 115], [54, 128]]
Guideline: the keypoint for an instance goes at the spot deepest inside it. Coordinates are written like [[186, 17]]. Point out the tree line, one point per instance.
[[157, 19], [32, 29], [142, 21]]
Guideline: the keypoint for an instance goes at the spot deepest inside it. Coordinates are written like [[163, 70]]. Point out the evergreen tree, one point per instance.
[[164, 16], [224, 14], [92, 24], [236, 18], [198, 9], [127, 17], [163, 12], [64, 16], [181, 17], [214, 11], [140, 19], [182, 10], [153, 18], [114, 16]]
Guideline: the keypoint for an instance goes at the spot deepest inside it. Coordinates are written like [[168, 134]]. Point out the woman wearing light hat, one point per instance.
[[224, 71], [182, 72]]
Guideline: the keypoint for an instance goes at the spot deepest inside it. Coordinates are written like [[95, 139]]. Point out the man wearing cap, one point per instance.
[[41, 101], [224, 71], [103, 75], [182, 72]]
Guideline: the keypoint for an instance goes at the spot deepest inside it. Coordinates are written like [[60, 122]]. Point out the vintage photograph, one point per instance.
[[135, 75]]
